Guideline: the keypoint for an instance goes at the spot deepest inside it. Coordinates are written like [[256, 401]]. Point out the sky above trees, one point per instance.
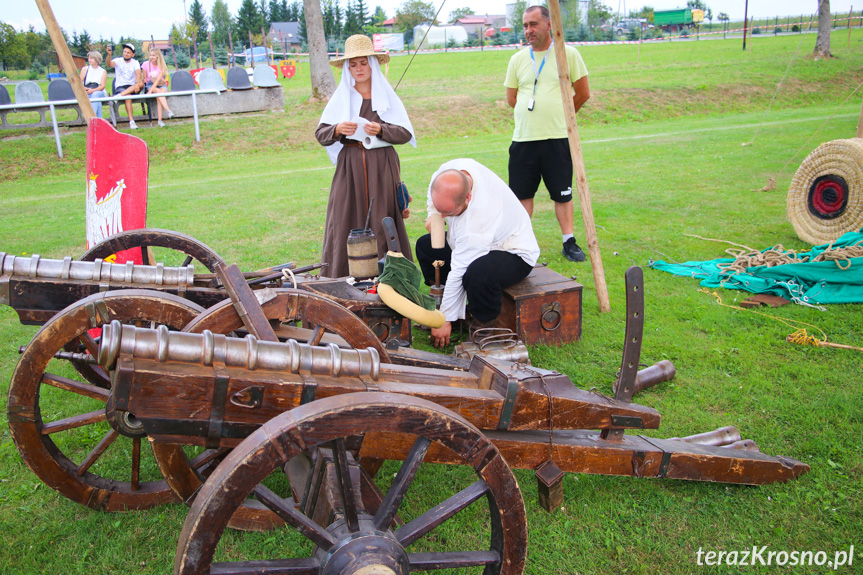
[[109, 18]]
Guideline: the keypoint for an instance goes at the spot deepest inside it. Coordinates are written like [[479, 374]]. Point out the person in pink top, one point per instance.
[[155, 82]]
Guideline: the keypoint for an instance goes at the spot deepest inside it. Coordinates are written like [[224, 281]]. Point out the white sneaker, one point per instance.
[[170, 114], [161, 124], [133, 125]]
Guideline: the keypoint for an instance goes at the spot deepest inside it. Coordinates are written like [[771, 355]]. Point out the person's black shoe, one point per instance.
[[572, 252]]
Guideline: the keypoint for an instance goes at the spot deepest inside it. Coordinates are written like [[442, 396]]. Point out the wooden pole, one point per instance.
[[577, 159], [251, 51], [231, 44], [65, 57], [212, 52], [266, 45], [195, 46]]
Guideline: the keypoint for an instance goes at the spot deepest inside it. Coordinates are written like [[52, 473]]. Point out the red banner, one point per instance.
[[117, 166]]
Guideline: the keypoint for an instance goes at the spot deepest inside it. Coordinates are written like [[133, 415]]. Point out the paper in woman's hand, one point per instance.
[[368, 142], [360, 134]]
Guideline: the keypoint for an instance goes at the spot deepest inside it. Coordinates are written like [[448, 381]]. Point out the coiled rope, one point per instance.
[[778, 255], [800, 336]]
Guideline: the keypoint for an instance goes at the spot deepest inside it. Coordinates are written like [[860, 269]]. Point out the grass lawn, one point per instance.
[[663, 140]]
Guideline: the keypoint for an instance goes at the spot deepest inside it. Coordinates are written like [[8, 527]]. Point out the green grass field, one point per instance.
[[663, 140]]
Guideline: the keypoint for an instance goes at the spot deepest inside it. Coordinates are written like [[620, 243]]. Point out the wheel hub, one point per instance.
[[369, 551]]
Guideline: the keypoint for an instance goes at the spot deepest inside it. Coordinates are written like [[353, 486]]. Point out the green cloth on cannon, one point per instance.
[[405, 277]]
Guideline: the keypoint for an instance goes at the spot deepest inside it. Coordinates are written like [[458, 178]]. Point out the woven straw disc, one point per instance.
[[826, 195]]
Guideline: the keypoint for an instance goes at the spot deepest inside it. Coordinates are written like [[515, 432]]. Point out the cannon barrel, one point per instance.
[[657, 373], [649, 376], [100, 271], [718, 437], [249, 353]]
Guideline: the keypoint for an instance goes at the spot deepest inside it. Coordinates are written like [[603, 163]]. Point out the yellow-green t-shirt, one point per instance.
[[546, 121]]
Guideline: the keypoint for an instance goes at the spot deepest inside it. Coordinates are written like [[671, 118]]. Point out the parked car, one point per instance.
[[624, 25]]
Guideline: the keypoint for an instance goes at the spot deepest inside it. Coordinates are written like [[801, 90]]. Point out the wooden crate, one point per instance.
[[545, 307]]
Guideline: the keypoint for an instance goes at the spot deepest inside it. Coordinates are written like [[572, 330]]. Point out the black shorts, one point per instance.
[[120, 89], [546, 159]]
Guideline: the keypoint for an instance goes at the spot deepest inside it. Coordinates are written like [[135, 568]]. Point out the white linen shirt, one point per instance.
[[494, 220]]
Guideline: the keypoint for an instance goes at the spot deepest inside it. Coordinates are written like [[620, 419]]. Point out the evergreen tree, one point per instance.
[[362, 14], [265, 16], [275, 11], [304, 33], [353, 24], [328, 17], [80, 43], [222, 22], [293, 12], [379, 16], [339, 19], [248, 20], [198, 16]]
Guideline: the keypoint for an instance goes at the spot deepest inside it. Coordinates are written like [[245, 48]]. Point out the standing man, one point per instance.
[[127, 77], [489, 244], [540, 148]]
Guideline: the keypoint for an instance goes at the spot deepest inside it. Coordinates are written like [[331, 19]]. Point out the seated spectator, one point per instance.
[[94, 77], [155, 71], [127, 79]]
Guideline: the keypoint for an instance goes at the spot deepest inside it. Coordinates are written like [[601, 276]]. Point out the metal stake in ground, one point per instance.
[[65, 57], [577, 159]]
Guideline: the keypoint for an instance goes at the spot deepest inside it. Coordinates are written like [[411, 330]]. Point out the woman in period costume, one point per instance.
[[362, 174]]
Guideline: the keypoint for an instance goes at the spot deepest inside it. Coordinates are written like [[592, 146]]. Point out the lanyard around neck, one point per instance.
[[536, 72]]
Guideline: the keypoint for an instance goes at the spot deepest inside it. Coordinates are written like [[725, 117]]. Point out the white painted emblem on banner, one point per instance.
[[104, 217]]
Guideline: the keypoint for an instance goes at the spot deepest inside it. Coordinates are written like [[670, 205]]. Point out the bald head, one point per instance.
[[450, 192]]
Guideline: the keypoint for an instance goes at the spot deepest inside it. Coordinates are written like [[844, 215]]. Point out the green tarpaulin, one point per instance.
[[811, 283]]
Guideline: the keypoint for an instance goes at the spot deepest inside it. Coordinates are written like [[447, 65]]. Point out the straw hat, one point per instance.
[[357, 46], [825, 200]]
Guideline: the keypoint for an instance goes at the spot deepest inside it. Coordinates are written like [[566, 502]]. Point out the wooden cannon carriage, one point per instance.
[[263, 431]]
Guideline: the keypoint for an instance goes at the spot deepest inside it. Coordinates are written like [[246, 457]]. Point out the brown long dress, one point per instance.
[[350, 195]]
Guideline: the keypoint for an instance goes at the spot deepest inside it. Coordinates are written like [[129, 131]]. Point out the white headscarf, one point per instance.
[[345, 103]]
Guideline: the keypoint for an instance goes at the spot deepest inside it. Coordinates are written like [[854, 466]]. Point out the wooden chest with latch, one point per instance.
[[545, 307]]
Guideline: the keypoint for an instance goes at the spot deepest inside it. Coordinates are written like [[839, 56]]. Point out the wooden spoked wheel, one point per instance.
[[57, 417], [179, 250], [186, 474], [189, 248], [357, 541]]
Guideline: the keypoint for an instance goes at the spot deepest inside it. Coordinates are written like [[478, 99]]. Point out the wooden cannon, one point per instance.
[[261, 431]]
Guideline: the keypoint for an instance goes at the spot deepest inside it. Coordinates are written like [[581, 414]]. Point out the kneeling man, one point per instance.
[[489, 243]]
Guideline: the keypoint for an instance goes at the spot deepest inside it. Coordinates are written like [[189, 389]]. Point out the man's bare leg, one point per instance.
[[528, 205], [564, 213]]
